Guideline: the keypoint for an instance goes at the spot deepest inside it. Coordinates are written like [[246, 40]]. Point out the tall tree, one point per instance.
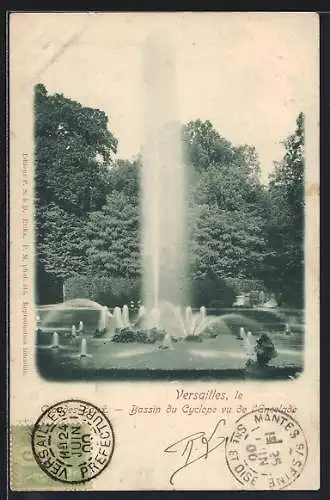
[[227, 206], [124, 177], [62, 247], [204, 146], [225, 244], [286, 225], [113, 238], [73, 150]]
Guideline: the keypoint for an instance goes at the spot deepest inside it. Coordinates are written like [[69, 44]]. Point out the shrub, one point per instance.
[[115, 291], [77, 287], [207, 292], [102, 289]]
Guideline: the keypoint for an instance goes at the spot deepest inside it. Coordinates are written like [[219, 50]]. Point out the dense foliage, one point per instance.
[[88, 210], [285, 227]]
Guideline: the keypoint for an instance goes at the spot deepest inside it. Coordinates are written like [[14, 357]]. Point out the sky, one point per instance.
[[250, 74]]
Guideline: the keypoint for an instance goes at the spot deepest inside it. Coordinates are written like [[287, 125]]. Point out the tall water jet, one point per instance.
[[83, 349], [163, 184], [117, 317], [55, 341], [142, 312], [188, 320], [103, 322], [125, 316], [154, 318]]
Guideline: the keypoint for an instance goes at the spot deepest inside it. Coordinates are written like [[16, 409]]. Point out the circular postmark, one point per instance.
[[73, 441], [267, 450]]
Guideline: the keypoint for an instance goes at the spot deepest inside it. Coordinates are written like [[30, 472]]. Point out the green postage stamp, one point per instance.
[[164, 232]]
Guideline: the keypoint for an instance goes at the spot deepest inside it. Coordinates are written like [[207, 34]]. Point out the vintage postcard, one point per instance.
[[164, 244]]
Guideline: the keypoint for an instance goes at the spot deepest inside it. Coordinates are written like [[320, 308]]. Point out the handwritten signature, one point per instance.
[[196, 446]]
